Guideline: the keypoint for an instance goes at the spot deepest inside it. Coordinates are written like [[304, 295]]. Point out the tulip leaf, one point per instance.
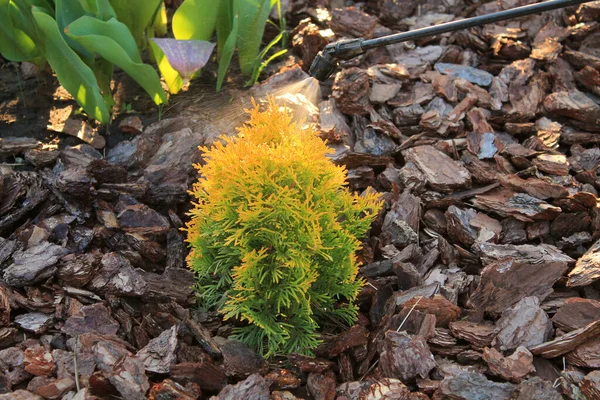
[[113, 41], [17, 33], [195, 19], [227, 53], [252, 27], [137, 15], [72, 73]]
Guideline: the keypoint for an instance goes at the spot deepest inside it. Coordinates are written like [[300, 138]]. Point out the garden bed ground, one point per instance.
[[482, 266]]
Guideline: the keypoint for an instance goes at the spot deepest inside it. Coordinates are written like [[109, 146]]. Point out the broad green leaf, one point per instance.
[[72, 73], [137, 15], [171, 77], [160, 22], [227, 53], [113, 29], [100, 8], [48, 5], [253, 18], [195, 19], [68, 11], [110, 41], [16, 33], [224, 24]]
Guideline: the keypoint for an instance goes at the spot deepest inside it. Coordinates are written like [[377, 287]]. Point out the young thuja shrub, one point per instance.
[[274, 233]]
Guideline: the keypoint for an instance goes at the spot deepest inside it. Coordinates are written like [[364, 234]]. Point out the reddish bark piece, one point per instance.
[[351, 90], [283, 379], [555, 164], [576, 313], [444, 86], [441, 172], [405, 356], [484, 98], [310, 364], [472, 385], [253, 387], [56, 389], [384, 389], [4, 307], [479, 335], [587, 268], [438, 305], [131, 124], [590, 78], [590, 385], [38, 361], [321, 387], [567, 342], [307, 41], [124, 371], [138, 218], [355, 336], [512, 368], [587, 355], [95, 318], [573, 104], [536, 187], [352, 21], [517, 205], [77, 270], [509, 279], [547, 51], [169, 390]]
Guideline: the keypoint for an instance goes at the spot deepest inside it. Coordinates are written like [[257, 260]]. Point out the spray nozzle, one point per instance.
[[327, 59]]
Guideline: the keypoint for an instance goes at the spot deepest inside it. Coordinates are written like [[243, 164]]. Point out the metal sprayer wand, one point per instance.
[[326, 61]]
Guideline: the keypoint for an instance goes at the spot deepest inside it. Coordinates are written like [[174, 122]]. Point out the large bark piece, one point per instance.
[[512, 275], [471, 385], [33, 265], [521, 206], [567, 342], [405, 356], [587, 268], [441, 172], [525, 324]]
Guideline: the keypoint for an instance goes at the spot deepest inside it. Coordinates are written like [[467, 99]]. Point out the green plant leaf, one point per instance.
[[137, 15], [259, 67], [254, 15], [227, 53], [103, 70], [17, 33], [224, 24], [196, 19], [172, 78], [66, 12], [100, 8], [113, 41], [159, 25], [72, 73]]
